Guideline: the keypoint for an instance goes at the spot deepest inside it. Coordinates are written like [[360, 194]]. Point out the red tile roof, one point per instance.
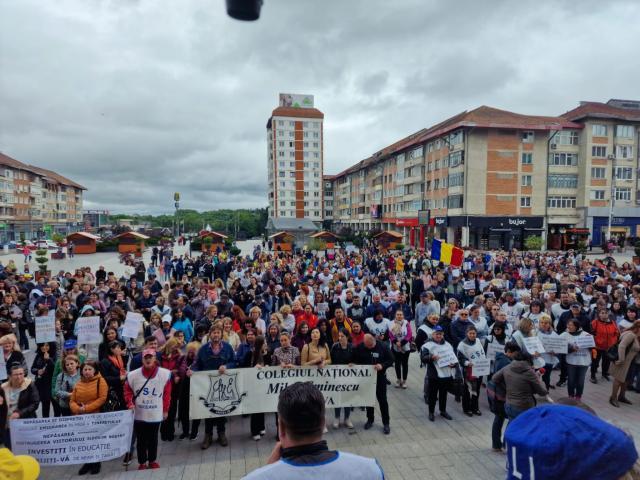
[[601, 110], [51, 176], [297, 112]]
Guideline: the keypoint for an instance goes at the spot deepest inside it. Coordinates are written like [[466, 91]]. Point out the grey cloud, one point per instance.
[[139, 99]]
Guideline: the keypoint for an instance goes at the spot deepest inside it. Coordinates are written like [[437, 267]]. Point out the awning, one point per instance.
[[534, 229], [500, 229], [618, 229], [579, 230]]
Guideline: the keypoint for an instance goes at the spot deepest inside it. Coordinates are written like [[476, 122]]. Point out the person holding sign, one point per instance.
[[147, 391], [526, 338], [439, 377], [578, 359], [21, 396], [545, 331], [11, 355], [469, 350], [88, 396]]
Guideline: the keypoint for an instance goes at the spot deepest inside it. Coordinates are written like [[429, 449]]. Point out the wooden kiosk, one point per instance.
[[282, 241], [83, 242], [131, 242], [217, 240], [327, 237], [388, 240]]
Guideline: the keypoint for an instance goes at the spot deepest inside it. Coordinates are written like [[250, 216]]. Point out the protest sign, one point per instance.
[[493, 348], [469, 285], [554, 343], [3, 368], [533, 345], [132, 324], [72, 440], [46, 328], [480, 367], [549, 287], [446, 355], [256, 390], [584, 341], [88, 330]]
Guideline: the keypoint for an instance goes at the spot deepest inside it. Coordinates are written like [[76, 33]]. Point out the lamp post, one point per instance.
[[176, 199], [612, 196]]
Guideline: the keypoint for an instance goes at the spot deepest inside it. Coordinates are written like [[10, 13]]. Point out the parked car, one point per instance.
[[47, 244]]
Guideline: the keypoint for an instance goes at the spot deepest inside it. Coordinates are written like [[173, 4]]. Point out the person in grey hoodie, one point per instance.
[[521, 382]]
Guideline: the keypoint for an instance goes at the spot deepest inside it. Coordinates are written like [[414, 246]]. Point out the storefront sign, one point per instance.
[[497, 222], [256, 390], [72, 440], [407, 222]]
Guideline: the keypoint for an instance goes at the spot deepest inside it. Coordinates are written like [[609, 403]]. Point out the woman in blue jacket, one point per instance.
[[182, 324]]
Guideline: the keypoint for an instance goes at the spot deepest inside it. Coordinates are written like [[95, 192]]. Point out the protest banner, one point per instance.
[[584, 341], [533, 345], [256, 390], [481, 367], [46, 328], [446, 355], [72, 440], [493, 348], [88, 329], [132, 324], [554, 343]]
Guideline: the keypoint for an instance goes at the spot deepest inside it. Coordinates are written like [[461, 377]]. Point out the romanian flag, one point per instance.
[[446, 253]]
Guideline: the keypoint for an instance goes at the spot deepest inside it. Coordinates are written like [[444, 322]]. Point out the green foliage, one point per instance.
[[533, 242], [207, 241], [233, 250], [42, 257], [57, 237], [400, 246], [250, 223], [107, 246], [582, 246], [316, 244]]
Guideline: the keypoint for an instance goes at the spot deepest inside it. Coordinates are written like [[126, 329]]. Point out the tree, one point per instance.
[[533, 242], [42, 257]]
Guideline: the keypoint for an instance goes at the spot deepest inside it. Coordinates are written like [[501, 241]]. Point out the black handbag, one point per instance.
[[112, 404]]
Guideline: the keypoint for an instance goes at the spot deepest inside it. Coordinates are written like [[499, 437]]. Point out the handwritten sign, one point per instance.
[[469, 285], [46, 328], [585, 341], [493, 348], [533, 345], [132, 325], [549, 287], [480, 367], [88, 330], [555, 344], [446, 356]]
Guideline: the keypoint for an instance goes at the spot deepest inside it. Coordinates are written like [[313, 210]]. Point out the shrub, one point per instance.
[[637, 248], [58, 238], [533, 243], [42, 257], [316, 244]]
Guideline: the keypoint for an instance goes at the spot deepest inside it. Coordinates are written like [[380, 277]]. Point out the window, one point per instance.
[[292, 123], [565, 137], [526, 181], [292, 164], [562, 181], [624, 173], [305, 144], [416, 153], [598, 151], [280, 123], [456, 179], [561, 202], [527, 158], [281, 153], [436, 184], [456, 158], [525, 202], [527, 137], [291, 134], [305, 134], [563, 159], [596, 194], [598, 130], [456, 138], [315, 144], [316, 135], [623, 194], [624, 151], [292, 174], [437, 165], [598, 172], [305, 124], [624, 131], [281, 174], [454, 201], [281, 144]]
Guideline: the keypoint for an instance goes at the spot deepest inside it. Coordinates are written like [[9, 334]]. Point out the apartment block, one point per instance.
[[489, 178], [295, 159], [35, 202]]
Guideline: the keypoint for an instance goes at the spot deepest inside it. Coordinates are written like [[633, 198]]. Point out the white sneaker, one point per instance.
[[263, 433], [257, 437], [336, 425], [326, 430], [348, 424]]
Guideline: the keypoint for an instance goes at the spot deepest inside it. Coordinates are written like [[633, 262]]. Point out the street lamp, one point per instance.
[[612, 196]]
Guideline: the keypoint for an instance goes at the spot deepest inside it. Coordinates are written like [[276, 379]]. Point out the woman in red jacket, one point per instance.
[[308, 317], [606, 334], [174, 361]]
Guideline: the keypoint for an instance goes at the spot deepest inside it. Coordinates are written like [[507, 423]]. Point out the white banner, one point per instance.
[[89, 330], [46, 328], [132, 324], [255, 390], [72, 440], [481, 367], [554, 343]]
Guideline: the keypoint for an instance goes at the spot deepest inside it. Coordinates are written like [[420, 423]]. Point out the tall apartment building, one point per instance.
[[327, 194], [489, 178], [295, 159], [35, 202]]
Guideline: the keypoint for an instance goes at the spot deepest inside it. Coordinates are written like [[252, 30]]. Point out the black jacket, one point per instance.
[[341, 356], [380, 353], [28, 400], [111, 374]]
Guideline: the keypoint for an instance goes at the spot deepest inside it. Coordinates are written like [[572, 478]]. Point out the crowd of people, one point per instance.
[[214, 311]]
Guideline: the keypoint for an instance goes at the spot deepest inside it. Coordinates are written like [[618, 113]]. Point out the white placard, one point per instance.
[[256, 390], [469, 285], [46, 328], [481, 367], [534, 345], [3, 368], [88, 330], [584, 341], [132, 324], [72, 440], [446, 355], [493, 348], [554, 343]]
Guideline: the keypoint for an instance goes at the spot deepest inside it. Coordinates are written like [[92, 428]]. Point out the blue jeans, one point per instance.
[[512, 412], [575, 379], [496, 431], [346, 410]]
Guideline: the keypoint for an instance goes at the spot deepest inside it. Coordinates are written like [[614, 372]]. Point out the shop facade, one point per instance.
[[492, 233], [625, 223]]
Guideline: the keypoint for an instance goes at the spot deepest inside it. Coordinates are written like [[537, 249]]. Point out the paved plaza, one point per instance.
[[416, 448]]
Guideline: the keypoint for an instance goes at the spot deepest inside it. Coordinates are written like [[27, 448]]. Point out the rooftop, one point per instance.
[[49, 175], [610, 110]]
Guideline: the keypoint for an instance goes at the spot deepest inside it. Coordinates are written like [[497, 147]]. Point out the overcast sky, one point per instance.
[[138, 99]]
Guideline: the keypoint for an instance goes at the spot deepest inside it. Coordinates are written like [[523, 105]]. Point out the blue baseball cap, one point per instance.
[[438, 328], [557, 441], [70, 344]]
